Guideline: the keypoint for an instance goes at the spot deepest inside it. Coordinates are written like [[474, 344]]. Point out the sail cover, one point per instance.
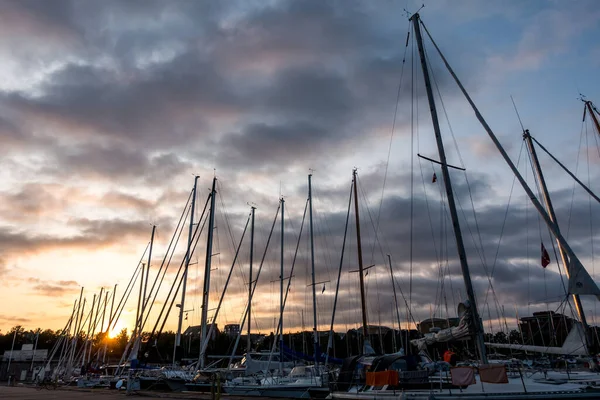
[[446, 335]]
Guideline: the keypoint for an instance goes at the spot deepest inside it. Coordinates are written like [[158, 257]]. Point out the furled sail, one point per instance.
[[446, 335]]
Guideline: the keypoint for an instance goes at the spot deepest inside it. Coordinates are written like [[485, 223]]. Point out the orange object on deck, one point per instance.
[[448, 355], [382, 378]]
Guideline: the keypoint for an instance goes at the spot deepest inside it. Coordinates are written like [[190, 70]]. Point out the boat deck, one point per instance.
[[23, 392]]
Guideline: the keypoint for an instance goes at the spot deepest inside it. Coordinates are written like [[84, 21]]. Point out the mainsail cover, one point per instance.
[[446, 335]]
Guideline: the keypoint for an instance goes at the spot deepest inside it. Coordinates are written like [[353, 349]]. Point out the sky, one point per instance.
[[108, 110]]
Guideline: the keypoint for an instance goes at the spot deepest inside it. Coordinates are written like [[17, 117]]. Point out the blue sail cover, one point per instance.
[[297, 355]]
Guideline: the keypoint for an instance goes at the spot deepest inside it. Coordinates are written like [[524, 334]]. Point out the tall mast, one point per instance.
[[84, 356], [248, 340], [363, 300], [580, 282], [185, 272], [138, 313], [312, 265], [75, 329], [95, 323], [591, 109], [550, 209], [207, 266], [477, 324], [110, 319], [396, 302], [281, 289], [144, 301]]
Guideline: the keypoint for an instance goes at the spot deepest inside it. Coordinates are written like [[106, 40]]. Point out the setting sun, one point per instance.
[[116, 330]]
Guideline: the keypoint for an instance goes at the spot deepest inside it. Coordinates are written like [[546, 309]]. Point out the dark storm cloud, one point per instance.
[[343, 79]]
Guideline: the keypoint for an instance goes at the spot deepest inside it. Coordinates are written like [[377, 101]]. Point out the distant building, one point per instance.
[[232, 330], [196, 330], [25, 364], [546, 328], [26, 354]]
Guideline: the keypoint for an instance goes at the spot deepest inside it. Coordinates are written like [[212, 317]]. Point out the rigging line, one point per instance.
[[517, 112], [586, 188], [597, 140], [168, 265], [587, 152], [443, 229], [527, 246], [412, 174], [481, 256], [365, 205], [484, 260], [494, 138], [179, 227], [188, 255], [432, 230], [387, 163], [480, 250], [512, 187], [538, 190], [225, 213], [322, 222], [117, 314], [383, 254], [337, 286], [298, 239], [256, 282], [576, 171]]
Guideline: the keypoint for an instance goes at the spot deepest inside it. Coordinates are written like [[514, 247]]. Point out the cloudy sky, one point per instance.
[[108, 109]]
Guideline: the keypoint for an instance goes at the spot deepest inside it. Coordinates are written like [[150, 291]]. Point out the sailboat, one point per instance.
[[387, 377], [303, 381]]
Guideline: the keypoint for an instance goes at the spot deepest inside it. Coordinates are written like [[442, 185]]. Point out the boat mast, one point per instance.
[[396, 302], [578, 271], [550, 209], [138, 314], [591, 108], [363, 300], [281, 290], [477, 324], [185, 272], [248, 340], [312, 265], [144, 299], [207, 265], [110, 318]]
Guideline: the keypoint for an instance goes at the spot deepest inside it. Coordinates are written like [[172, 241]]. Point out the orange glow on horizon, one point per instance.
[[113, 333]]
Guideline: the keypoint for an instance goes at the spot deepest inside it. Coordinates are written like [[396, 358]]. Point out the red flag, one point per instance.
[[545, 257], [434, 179]]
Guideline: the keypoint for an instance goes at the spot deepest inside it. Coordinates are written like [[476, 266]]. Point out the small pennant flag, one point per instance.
[[545, 257], [434, 178], [323, 291]]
